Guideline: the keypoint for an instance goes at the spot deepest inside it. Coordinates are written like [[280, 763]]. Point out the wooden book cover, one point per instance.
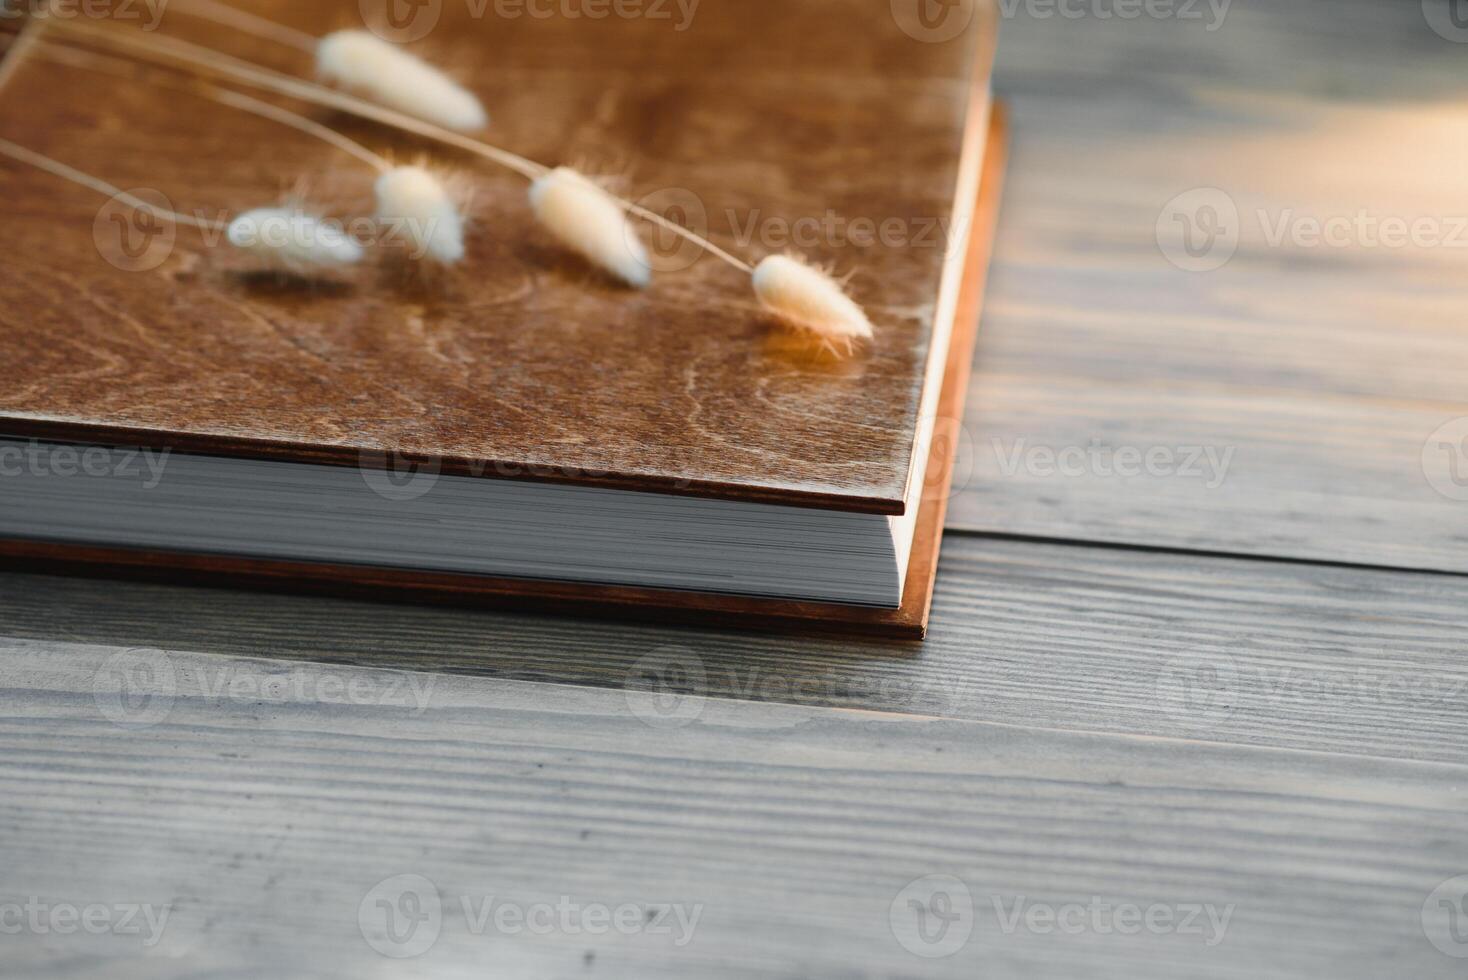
[[850, 132]]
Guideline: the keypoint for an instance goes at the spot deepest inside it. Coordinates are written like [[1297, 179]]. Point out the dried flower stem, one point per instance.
[[248, 23], [299, 122], [172, 50], [58, 169], [28, 37], [78, 58]]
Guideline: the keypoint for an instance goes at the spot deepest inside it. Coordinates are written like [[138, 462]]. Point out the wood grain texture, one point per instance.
[[267, 821], [523, 363], [1322, 369], [1137, 726], [1267, 654], [908, 621]]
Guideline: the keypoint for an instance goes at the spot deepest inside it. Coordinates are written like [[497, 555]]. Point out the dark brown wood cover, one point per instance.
[[834, 127]]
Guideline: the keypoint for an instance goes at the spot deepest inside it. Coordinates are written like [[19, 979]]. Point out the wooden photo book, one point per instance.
[[517, 428]]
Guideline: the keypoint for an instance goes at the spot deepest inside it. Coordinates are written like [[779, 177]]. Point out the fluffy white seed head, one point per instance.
[[287, 240], [590, 221], [807, 299], [366, 65], [415, 207]]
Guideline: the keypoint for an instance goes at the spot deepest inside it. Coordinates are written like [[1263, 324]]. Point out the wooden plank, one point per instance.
[[268, 821], [1240, 651], [1319, 372]]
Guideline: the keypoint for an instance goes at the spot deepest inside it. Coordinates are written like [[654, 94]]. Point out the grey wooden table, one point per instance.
[[1195, 702]]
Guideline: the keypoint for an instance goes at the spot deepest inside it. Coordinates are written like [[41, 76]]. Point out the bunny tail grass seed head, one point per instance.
[[363, 63], [288, 240], [807, 299], [417, 209], [589, 220]]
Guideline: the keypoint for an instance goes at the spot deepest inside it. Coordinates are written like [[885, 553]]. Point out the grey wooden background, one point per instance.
[[1247, 698]]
